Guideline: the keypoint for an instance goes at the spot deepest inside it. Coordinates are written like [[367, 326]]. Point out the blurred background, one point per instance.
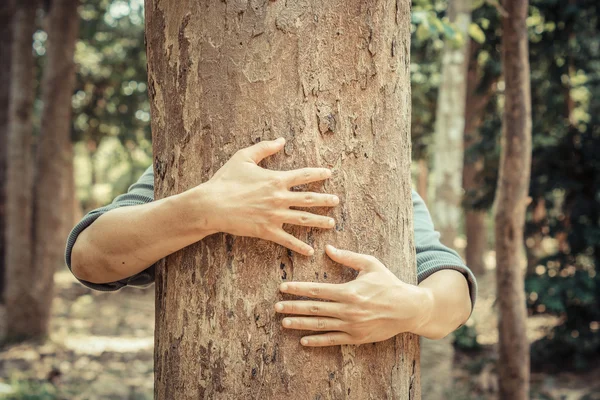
[[99, 345]]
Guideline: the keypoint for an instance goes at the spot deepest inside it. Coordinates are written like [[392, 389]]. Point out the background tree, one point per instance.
[[53, 155], [6, 27], [449, 126], [338, 106], [21, 307], [511, 203]]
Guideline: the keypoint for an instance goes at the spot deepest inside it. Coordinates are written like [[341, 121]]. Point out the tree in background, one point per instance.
[[511, 203], [295, 70], [482, 77], [6, 15], [53, 156], [35, 211], [449, 126], [22, 307]]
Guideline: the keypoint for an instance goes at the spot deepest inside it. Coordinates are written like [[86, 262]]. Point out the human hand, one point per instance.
[[248, 200], [372, 308]]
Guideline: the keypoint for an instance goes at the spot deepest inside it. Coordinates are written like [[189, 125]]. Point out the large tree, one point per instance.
[[511, 203], [333, 78]]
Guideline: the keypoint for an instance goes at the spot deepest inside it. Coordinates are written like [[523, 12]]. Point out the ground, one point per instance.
[[100, 347]]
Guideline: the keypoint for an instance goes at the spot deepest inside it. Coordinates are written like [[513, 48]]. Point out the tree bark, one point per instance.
[[20, 307], [6, 16], [449, 128], [511, 203], [422, 179], [333, 78]]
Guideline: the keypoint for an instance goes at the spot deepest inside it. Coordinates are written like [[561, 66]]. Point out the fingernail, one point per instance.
[[283, 287], [304, 341], [332, 222], [279, 307], [287, 322], [311, 252], [336, 200], [280, 140]]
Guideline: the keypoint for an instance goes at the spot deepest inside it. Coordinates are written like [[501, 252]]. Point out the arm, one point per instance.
[[116, 245]]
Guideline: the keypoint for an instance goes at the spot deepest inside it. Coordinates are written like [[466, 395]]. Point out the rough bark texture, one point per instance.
[[6, 15], [53, 153], [332, 77], [512, 198], [449, 128], [477, 99], [20, 306]]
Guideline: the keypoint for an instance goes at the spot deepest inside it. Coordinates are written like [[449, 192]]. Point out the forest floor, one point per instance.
[[101, 344]]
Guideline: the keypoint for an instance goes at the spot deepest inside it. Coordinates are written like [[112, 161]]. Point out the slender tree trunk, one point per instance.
[[53, 152], [332, 77], [477, 99], [511, 203], [6, 16], [449, 128], [20, 306]]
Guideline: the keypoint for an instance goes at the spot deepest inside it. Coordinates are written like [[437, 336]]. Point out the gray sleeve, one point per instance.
[[432, 255], [140, 192]]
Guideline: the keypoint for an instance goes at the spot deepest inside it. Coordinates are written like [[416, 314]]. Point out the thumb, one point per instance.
[[264, 149], [357, 261]]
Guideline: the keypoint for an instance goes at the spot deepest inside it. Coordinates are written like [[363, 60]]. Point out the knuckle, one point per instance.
[[276, 180], [331, 340], [309, 199], [321, 323], [304, 219], [371, 259], [314, 309], [315, 291], [306, 174]]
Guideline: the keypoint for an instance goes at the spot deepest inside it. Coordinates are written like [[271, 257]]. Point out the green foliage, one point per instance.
[[465, 338], [30, 390]]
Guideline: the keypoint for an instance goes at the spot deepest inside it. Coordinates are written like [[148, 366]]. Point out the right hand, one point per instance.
[[252, 201]]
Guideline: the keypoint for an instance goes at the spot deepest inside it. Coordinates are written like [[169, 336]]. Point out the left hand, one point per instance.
[[374, 307]]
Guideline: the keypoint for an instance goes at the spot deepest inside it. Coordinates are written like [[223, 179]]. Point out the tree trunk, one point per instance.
[[332, 77], [53, 151], [20, 306], [449, 128], [6, 16], [511, 203], [477, 99]]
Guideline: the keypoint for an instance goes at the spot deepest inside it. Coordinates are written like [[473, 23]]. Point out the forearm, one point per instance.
[[126, 240], [448, 303]]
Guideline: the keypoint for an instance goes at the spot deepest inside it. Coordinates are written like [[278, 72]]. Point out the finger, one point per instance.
[[291, 242], [263, 149], [357, 261], [326, 291], [327, 339], [309, 199], [309, 307], [313, 323], [304, 218], [306, 175]]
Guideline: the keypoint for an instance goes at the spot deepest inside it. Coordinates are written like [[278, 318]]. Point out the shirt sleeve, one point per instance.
[[432, 255], [140, 192]]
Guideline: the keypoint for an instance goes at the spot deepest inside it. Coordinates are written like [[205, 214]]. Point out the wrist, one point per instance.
[[423, 321], [199, 215]]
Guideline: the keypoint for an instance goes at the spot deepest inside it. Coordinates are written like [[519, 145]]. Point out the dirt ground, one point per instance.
[[100, 347]]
